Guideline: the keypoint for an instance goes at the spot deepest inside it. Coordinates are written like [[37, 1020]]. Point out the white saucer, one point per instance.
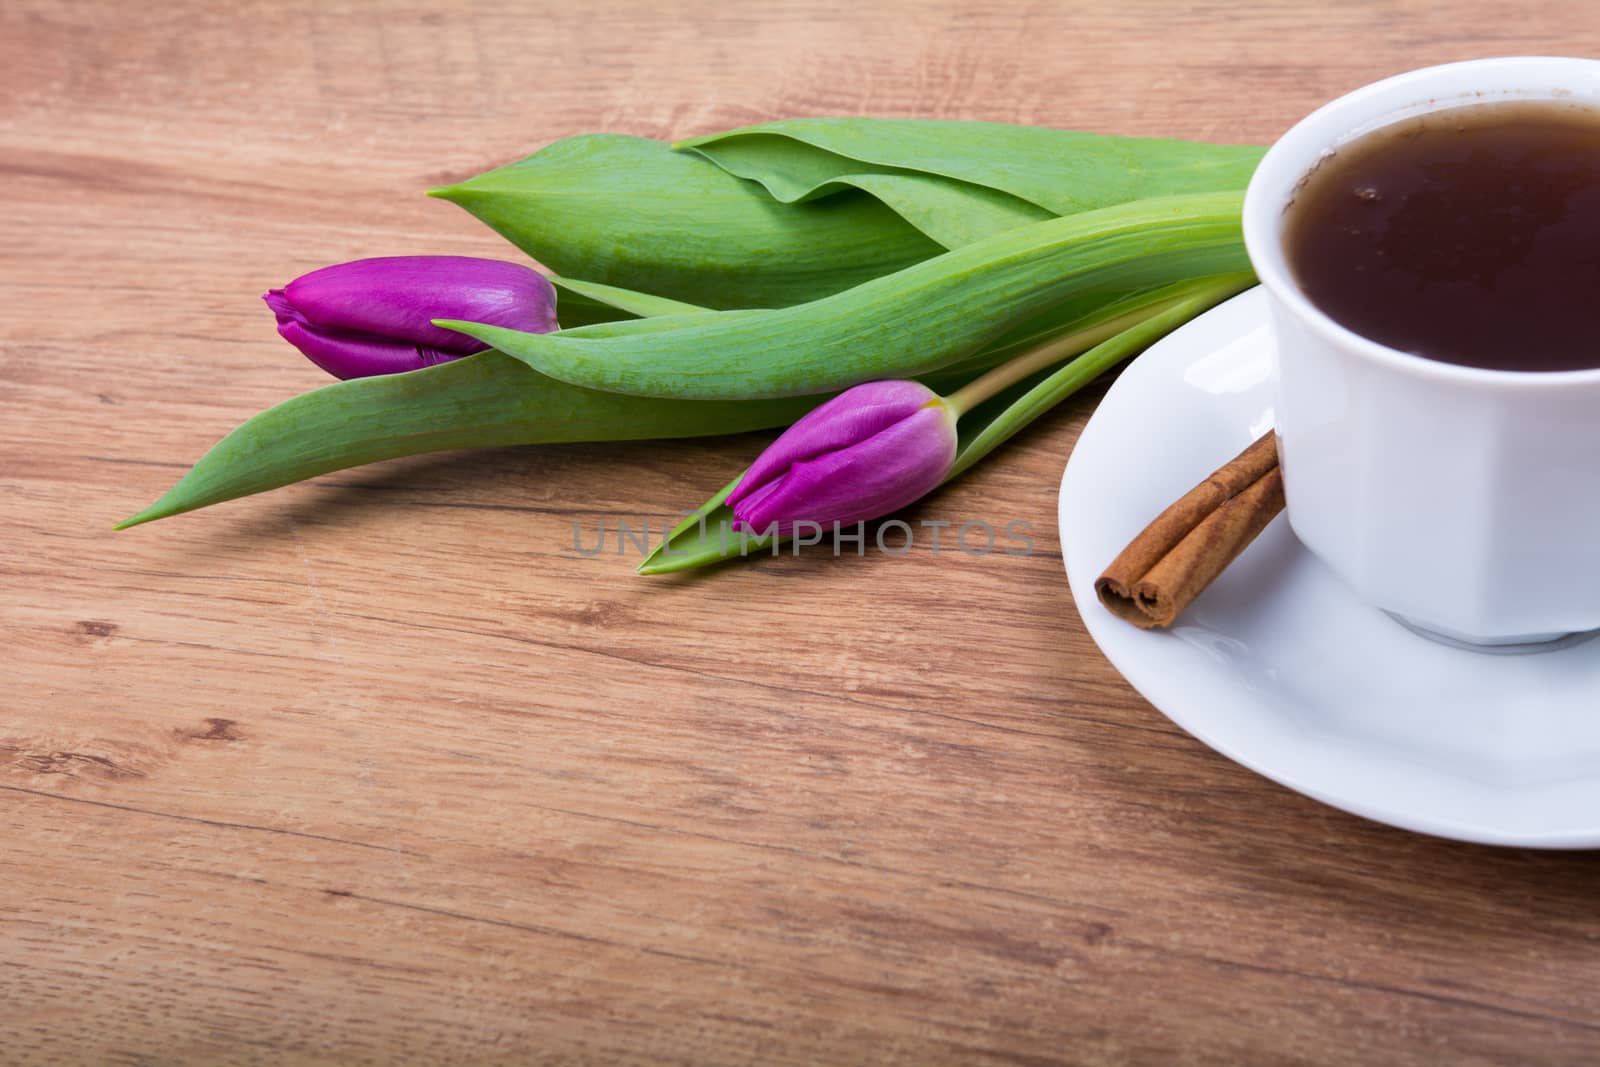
[[1279, 667]]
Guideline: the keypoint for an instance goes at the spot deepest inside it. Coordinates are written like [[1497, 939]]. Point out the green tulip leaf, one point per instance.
[[481, 401], [631, 212], [1061, 171], [903, 325], [950, 211]]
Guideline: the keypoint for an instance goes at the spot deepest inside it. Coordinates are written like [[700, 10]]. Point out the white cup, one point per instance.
[[1464, 501]]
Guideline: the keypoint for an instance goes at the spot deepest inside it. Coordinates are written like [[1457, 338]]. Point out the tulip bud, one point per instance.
[[870, 450], [374, 316]]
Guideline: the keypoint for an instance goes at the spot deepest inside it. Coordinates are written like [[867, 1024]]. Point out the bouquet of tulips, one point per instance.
[[904, 295]]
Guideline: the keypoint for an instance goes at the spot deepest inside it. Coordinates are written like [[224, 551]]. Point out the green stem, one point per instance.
[[1034, 360], [1096, 361]]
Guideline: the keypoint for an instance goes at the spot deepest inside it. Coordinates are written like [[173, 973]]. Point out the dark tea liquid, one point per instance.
[[1469, 236]]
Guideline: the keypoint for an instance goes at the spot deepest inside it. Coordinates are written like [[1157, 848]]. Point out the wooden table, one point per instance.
[[378, 770]]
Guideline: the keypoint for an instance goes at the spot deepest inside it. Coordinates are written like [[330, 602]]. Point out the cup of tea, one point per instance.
[[1430, 250]]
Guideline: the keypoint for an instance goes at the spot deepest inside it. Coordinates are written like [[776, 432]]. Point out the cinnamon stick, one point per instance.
[[1171, 562]]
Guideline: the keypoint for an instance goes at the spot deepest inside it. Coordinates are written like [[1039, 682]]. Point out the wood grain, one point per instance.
[[379, 770]]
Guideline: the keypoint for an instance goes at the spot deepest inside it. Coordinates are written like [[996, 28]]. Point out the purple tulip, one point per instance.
[[869, 451], [373, 316]]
